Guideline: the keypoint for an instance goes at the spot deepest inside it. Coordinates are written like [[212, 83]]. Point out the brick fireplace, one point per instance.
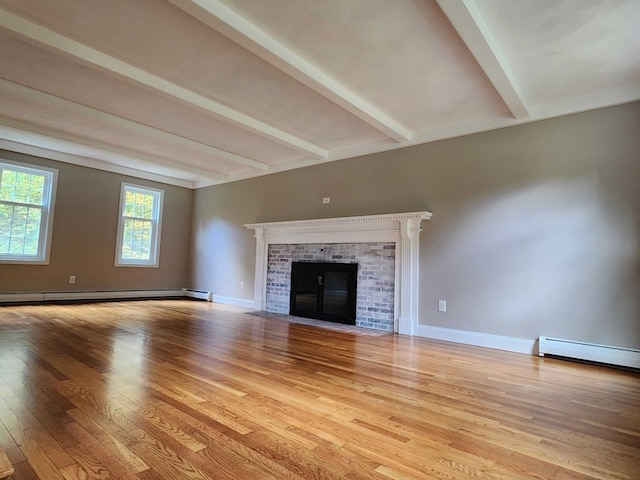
[[376, 277], [385, 247]]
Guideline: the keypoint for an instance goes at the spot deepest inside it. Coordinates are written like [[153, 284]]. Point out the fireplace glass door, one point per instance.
[[326, 291]]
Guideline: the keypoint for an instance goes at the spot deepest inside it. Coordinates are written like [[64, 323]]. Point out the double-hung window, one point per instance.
[[27, 195], [139, 226]]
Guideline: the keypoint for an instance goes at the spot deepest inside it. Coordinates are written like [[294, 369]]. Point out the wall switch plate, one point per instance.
[[242, 285], [72, 279], [326, 200], [442, 305]]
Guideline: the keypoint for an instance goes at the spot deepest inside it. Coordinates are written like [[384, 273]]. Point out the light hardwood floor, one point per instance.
[[193, 390]]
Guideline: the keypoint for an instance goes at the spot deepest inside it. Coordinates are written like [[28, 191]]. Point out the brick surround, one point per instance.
[[376, 277]]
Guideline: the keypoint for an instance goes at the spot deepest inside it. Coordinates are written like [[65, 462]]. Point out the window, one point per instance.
[[139, 226], [27, 195]]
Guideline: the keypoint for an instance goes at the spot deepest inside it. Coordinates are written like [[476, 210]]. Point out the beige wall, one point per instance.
[[84, 236], [535, 229]]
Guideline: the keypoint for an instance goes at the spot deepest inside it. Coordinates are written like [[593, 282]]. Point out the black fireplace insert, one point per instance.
[[326, 291]]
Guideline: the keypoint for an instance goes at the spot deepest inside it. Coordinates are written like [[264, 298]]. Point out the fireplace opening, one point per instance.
[[326, 291]]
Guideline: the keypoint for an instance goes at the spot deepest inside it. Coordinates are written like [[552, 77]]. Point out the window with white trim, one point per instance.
[[27, 196], [139, 226]]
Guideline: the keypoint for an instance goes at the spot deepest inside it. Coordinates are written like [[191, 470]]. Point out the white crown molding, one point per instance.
[[465, 15], [93, 163], [587, 102], [401, 228], [48, 139], [130, 125], [224, 20], [106, 62]]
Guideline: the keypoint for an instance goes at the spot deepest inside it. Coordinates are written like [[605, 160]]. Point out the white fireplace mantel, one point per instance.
[[401, 228]]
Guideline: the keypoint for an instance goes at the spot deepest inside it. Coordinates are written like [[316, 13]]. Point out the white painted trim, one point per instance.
[[161, 166], [21, 297], [113, 294], [48, 211], [124, 294], [130, 125], [238, 302], [260, 283], [224, 20], [106, 62], [87, 295], [498, 342], [409, 274], [199, 294], [156, 222], [626, 357], [224, 300], [466, 18], [75, 159], [401, 228], [454, 130], [47, 138], [384, 222]]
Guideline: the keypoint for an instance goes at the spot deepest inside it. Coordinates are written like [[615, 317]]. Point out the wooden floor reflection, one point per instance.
[[192, 390]]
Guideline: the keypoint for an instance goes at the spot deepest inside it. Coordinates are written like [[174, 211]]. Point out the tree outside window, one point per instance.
[[139, 226], [26, 212]]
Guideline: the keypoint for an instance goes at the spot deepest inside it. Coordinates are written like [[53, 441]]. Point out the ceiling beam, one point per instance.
[[46, 138], [130, 125], [106, 62], [180, 179], [224, 20], [466, 18]]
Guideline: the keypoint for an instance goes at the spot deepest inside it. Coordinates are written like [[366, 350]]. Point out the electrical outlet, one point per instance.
[[242, 285], [442, 305], [326, 200], [72, 279]]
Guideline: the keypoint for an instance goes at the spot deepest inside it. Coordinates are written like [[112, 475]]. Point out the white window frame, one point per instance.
[[47, 208], [156, 223]]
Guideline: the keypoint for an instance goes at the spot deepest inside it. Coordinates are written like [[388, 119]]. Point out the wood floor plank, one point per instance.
[[111, 438], [34, 440], [112, 462], [225, 450], [179, 389]]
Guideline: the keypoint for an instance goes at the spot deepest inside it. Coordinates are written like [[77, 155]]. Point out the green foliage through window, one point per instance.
[[24, 199], [139, 225]]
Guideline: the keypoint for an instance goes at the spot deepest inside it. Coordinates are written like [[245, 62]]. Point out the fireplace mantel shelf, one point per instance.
[[363, 219], [401, 228], [342, 221]]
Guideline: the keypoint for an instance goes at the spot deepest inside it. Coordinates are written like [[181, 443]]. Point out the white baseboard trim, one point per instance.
[[238, 302], [498, 342], [18, 297], [21, 297], [87, 295]]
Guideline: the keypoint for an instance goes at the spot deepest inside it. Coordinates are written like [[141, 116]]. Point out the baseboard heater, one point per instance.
[[592, 352], [199, 294], [37, 297]]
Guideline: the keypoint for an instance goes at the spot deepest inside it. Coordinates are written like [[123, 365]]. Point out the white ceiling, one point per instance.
[[200, 92]]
